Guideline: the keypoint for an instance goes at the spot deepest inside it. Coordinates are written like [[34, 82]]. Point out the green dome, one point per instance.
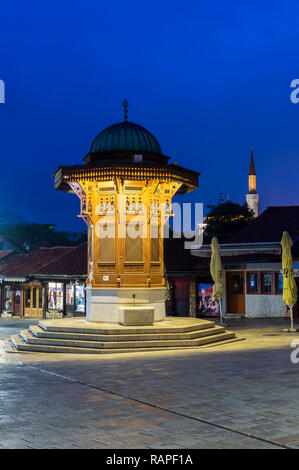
[[125, 136]]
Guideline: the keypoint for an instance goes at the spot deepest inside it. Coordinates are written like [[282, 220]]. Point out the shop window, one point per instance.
[[80, 298], [252, 283], [55, 295], [7, 298], [40, 297], [69, 294], [34, 297], [266, 283], [27, 297], [279, 283]]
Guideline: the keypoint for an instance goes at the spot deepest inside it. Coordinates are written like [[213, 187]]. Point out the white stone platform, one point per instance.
[[107, 304], [77, 335]]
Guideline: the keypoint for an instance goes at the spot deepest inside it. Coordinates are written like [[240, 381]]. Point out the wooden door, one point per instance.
[[181, 307], [33, 301], [17, 302], [235, 292]]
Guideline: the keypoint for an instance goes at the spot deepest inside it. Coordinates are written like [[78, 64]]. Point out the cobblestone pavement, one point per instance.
[[12, 326], [238, 395]]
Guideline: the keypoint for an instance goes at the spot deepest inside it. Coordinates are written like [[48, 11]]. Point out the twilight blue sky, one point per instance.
[[208, 79]]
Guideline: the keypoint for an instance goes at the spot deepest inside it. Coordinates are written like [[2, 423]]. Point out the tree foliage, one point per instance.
[[30, 235], [225, 219]]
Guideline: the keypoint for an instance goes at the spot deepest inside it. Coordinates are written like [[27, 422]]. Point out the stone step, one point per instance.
[[21, 345], [179, 325], [7, 346], [79, 336], [28, 338], [41, 333]]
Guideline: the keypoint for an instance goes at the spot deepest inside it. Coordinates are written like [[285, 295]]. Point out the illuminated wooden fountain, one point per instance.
[[125, 189]]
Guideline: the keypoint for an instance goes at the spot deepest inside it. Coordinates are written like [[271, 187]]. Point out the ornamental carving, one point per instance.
[[106, 268], [155, 268], [133, 268]]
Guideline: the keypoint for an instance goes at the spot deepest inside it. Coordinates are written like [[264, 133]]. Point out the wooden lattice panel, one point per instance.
[[134, 249]]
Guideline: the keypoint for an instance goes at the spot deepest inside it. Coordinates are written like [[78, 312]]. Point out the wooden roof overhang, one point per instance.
[[126, 171], [240, 249], [14, 279], [58, 277]]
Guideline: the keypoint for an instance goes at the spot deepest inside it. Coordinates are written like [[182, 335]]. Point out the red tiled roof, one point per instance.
[[23, 264], [270, 225], [72, 262], [4, 253]]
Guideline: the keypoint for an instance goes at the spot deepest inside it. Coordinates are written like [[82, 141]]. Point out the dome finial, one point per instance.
[[125, 105]]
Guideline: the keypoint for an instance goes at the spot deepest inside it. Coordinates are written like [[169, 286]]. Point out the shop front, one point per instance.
[[43, 299], [75, 299], [44, 283], [65, 299], [54, 299], [255, 291], [33, 300], [12, 296]]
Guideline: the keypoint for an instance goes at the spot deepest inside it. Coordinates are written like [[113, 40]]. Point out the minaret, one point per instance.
[[252, 198]]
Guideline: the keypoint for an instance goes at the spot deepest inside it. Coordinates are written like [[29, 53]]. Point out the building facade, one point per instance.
[[253, 281], [45, 283]]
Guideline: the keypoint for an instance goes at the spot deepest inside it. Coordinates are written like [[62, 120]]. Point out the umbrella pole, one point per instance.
[[220, 312], [291, 329], [291, 315], [221, 322]]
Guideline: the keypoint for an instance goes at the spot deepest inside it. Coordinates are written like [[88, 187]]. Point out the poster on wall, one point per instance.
[[205, 306]]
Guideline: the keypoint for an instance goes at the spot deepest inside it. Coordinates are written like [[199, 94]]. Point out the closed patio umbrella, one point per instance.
[[289, 284], [216, 273]]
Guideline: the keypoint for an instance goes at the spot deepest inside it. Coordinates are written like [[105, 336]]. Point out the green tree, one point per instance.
[[34, 234], [225, 219]]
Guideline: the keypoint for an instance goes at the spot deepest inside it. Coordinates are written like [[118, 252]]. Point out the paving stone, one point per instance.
[[249, 387]]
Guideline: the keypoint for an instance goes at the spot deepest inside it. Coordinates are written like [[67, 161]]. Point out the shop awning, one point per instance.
[[14, 279], [233, 249]]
